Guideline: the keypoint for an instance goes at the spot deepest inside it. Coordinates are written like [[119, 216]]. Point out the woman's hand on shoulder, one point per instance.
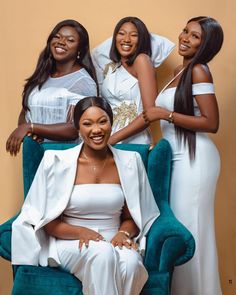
[[201, 74], [154, 114]]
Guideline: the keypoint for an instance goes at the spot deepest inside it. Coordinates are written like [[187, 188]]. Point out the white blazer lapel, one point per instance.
[[60, 183], [129, 178]]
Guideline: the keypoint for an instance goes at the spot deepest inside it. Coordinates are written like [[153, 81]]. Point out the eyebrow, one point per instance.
[[196, 32], [129, 31], [65, 35], [103, 116]]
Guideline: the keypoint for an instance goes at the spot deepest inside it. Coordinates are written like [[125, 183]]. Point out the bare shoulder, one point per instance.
[[142, 60], [143, 66], [201, 74]]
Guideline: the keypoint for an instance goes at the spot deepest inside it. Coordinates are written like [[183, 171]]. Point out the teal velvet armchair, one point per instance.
[[169, 243]]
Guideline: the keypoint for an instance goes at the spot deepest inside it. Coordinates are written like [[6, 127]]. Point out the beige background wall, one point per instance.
[[24, 27]]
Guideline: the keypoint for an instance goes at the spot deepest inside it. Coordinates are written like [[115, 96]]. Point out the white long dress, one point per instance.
[[121, 90], [102, 268], [192, 198]]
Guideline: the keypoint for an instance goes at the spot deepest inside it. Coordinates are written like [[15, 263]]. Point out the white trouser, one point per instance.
[[102, 268]]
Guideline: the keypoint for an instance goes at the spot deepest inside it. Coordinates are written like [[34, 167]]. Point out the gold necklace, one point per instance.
[[94, 167]]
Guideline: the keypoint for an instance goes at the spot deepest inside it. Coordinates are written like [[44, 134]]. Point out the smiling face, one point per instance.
[[95, 128], [190, 40], [127, 40], [64, 45]]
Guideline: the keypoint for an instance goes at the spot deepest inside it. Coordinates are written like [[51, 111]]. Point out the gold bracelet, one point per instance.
[[124, 232], [32, 127], [171, 118]]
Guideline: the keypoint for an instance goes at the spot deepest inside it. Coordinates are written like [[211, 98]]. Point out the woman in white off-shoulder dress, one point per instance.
[[188, 110], [125, 67], [64, 74]]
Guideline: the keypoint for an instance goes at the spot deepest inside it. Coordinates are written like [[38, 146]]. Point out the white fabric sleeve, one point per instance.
[[161, 48], [81, 88], [84, 86], [73, 99], [25, 246], [71, 102], [203, 88]]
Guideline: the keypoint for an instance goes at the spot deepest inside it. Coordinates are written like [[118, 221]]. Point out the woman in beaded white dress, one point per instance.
[[64, 74], [188, 110], [125, 69]]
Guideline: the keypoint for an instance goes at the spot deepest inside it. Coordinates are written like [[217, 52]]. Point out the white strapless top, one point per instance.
[[166, 99], [95, 201]]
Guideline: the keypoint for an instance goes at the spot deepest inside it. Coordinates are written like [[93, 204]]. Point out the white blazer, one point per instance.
[[49, 195]]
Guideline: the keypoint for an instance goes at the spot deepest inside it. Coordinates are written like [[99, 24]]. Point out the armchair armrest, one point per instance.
[[5, 239], [169, 244], [168, 240]]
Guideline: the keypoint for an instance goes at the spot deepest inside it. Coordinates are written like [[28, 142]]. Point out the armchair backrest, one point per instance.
[[157, 163]]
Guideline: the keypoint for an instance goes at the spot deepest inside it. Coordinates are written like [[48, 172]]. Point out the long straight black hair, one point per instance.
[[144, 40], [46, 63], [212, 40]]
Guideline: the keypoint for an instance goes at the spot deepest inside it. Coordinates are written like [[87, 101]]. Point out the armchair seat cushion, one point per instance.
[[33, 280]]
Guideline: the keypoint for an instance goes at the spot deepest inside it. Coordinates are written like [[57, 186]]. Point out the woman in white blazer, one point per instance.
[[88, 209]]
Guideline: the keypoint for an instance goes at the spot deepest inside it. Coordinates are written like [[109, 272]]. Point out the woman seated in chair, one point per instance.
[[83, 214]]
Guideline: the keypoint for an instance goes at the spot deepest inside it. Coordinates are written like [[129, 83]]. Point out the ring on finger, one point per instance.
[[128, 241]]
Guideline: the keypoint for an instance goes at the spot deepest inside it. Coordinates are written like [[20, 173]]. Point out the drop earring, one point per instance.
[[78, 55], [79, 135]]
